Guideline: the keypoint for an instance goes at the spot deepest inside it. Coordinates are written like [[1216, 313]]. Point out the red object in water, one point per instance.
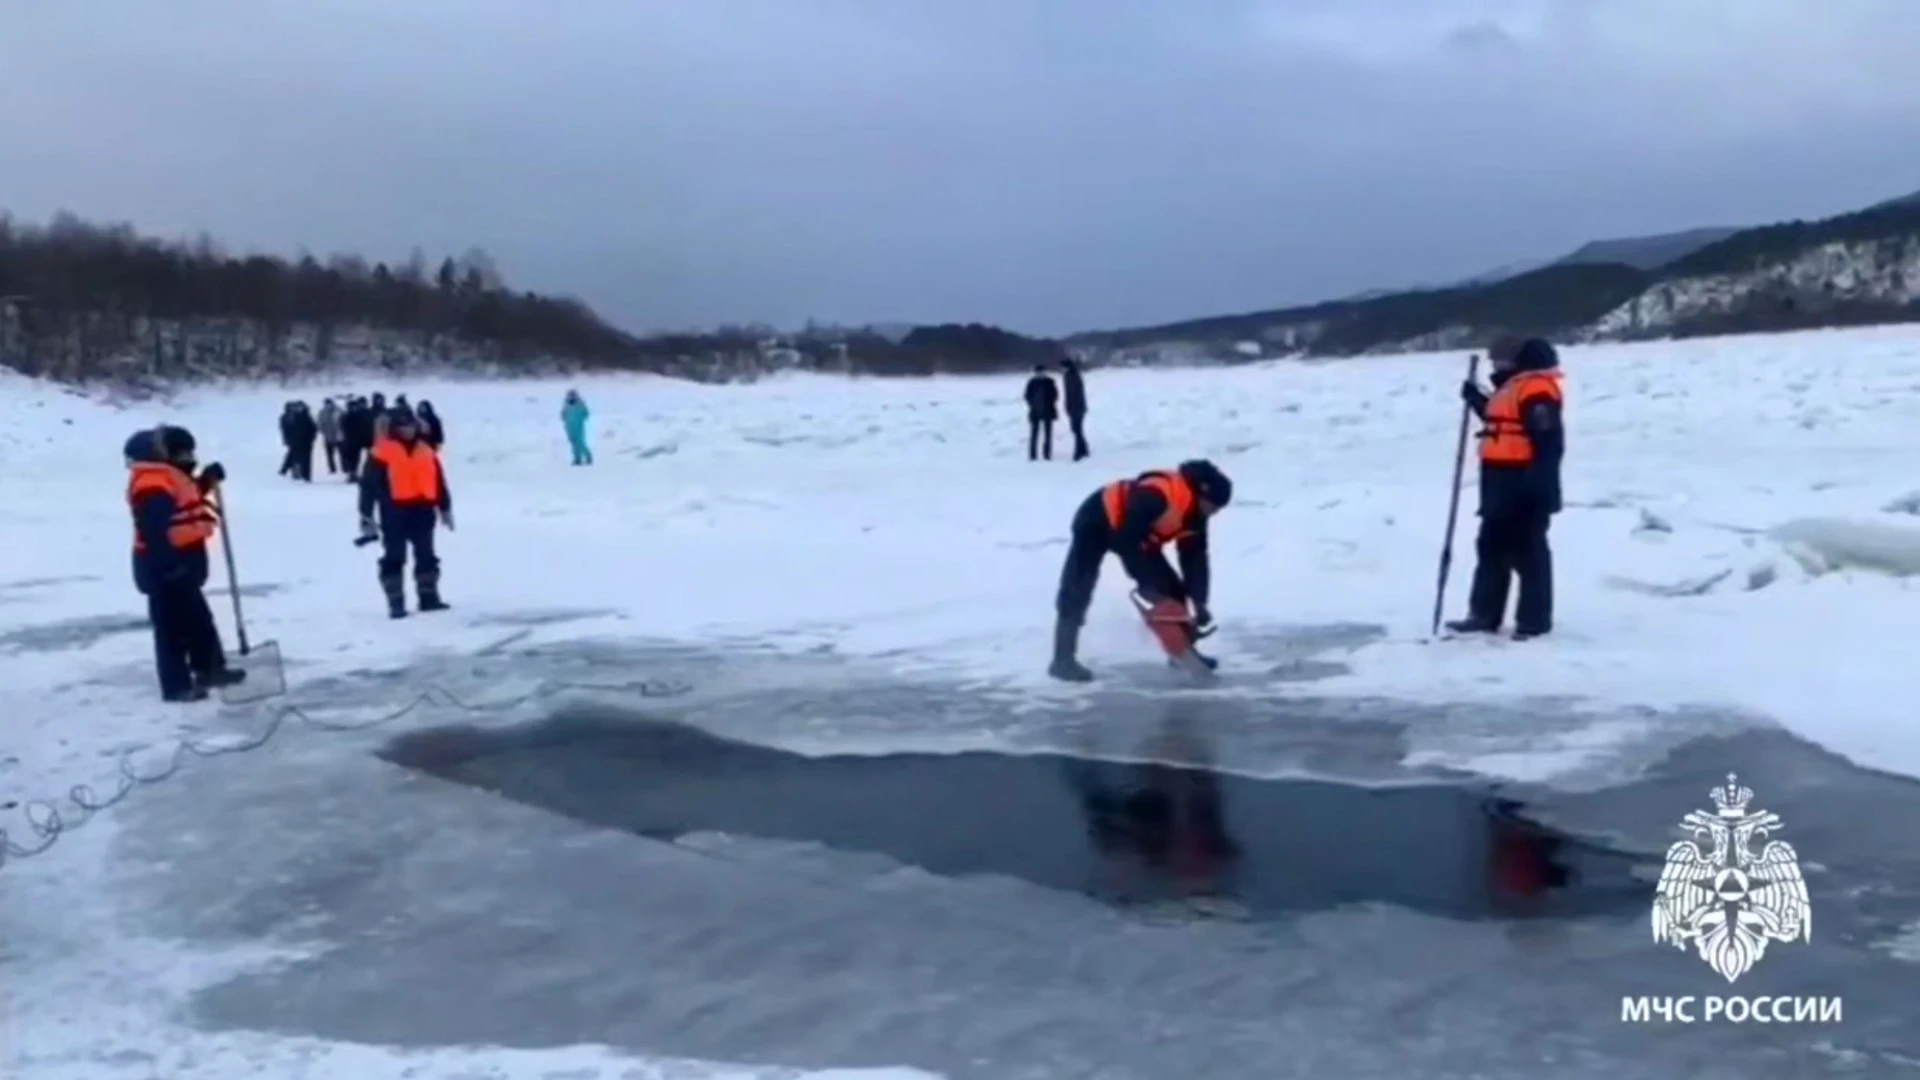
[[1519, 863]]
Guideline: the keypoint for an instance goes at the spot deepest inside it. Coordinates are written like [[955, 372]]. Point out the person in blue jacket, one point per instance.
[[172, 523], [574, 415]]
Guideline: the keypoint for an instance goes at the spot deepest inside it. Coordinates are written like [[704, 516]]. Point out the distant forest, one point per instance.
[[80, 300], [1566, 297]]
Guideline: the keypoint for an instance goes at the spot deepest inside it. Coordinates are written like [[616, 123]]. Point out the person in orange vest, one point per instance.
[[1521, 445], [172, 522], [1134, 519], [404, 479]]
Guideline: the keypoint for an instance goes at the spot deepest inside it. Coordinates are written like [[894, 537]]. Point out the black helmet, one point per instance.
[[1208, 481]]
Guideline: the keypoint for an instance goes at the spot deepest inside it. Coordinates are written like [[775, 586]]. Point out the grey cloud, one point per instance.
[[1049, 164]]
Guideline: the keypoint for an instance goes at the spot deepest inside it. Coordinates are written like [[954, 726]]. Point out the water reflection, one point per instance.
[[1152, 822], [1158, 828], [1171, 826]]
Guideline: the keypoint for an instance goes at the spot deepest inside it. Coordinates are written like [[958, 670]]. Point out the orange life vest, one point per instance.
[[413, 472], [1504, 439], [193, 520], [1172, 486]]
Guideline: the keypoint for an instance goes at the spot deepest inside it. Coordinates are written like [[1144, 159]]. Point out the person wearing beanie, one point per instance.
[[1135, 519], [1521, 445], [403, 478], [173, 520]]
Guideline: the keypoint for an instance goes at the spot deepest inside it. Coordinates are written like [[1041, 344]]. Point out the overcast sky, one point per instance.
[[1049, 165]]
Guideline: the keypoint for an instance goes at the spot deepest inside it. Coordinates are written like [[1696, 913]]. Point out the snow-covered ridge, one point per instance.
[[1838, 283], [1875, 272]]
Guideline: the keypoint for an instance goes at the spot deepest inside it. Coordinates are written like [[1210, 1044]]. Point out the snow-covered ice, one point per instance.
[[1739, 534]]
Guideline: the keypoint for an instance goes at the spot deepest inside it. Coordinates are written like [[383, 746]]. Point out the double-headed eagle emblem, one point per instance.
[[1724, 898]]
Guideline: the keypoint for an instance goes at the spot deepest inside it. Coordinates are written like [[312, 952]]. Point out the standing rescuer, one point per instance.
[[403, 478], [1521, 445], [172, 523], [1134, 519]]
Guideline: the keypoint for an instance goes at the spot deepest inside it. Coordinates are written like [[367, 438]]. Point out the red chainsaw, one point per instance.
[[1173, 627]]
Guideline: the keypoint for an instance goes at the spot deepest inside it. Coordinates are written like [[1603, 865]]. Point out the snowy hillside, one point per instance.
[[1738, 553], [1849, 270], [1871, 273]]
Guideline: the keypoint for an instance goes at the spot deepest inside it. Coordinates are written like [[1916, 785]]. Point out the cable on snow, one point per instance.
[[49, 819]]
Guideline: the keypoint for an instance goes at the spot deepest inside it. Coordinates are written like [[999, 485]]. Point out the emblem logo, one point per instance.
[[1723, 898]]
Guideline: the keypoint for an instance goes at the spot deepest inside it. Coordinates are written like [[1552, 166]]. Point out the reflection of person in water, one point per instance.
[[1526, 863], [1161, 823]]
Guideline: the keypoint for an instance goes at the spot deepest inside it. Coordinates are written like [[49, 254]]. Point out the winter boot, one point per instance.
[[1066, 642], [1474, 624], [222, 677], [395, 588], [195, 692], [429, 586]]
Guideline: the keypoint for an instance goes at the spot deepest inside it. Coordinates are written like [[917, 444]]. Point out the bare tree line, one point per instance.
[[81, 301]]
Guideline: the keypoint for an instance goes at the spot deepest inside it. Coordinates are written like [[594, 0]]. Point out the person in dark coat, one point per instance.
[[356, 436], [377, 409], [1521, 446], [1134, 519], [172, 523], [431, 430], [1076, 394], [286, 439], [301, 431], [403, 479], [1043, 408]]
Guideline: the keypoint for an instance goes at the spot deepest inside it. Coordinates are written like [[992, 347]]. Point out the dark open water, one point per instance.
[[608, 875]]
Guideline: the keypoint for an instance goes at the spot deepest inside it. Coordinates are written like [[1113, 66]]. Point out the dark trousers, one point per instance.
[[1512, 546], [1039, 439], [1077, 423], [300, 456], [333, 457], [350, 459], [185, 640], [1089, 541], [403, 528]]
